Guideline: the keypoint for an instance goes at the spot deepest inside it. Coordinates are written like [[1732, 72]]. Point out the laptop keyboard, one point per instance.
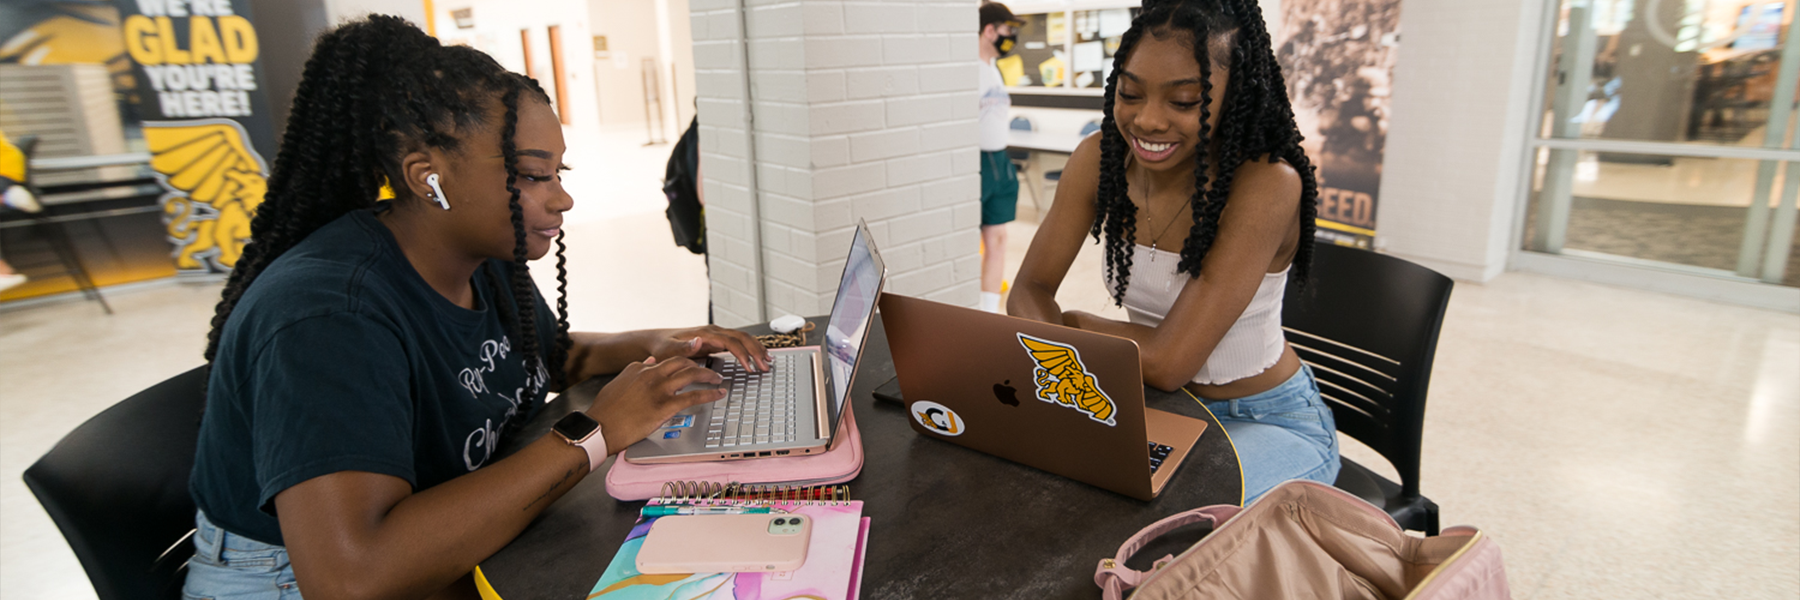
[[1158, 454], [763, 408]]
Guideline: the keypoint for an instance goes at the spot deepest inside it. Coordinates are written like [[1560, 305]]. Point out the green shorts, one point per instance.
[[999, 188]]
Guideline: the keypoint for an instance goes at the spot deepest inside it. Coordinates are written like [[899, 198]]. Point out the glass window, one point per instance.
[[1628, 78], [1679, 210], [1692, 71]]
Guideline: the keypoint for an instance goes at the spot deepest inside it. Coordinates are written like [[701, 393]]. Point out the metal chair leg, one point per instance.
[[59, 241], [1036, 203]]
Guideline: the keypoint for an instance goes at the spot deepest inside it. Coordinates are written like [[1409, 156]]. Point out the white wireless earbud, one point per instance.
[[437, 191]]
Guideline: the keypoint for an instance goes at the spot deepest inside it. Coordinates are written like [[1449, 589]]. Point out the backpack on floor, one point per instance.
[[1307, 540]]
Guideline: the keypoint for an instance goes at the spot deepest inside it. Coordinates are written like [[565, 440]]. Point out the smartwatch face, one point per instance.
[[575, 426]]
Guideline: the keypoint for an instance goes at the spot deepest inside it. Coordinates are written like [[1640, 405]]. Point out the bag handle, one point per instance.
[[1114, 578]]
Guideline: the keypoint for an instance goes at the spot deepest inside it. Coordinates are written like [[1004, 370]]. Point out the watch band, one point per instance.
[[595, 445]]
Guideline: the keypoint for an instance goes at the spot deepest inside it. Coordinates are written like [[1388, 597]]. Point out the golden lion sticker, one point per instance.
[[215, 180], [1062, 379], [938, 418]]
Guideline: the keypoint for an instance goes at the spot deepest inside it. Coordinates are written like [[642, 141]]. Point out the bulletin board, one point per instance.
[[1023, 68], [1067, 49]]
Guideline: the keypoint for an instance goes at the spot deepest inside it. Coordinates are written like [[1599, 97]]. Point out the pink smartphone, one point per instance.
[[725, 543]]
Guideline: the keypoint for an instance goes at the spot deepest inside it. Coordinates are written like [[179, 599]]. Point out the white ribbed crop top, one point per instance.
[[1251, 346]]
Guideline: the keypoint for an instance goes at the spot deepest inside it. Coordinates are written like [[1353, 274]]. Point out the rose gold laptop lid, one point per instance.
[[1060, 399]]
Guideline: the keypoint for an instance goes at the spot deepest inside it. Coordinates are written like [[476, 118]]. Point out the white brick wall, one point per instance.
[[861, 109], [725, 150], [1451, 174]]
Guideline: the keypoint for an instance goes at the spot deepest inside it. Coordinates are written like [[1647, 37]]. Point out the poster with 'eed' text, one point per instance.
[[1338, 58]]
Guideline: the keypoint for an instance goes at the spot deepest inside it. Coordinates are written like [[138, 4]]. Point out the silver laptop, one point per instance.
[[795, 407]]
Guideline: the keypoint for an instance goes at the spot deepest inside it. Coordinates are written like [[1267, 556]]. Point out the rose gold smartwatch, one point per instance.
[[583, 432]]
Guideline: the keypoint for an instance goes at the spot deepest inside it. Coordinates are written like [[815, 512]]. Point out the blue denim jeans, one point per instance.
[[1281, 434], [228, 566]]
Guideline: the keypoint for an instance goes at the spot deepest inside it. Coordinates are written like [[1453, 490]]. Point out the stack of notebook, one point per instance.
[[833, 568]]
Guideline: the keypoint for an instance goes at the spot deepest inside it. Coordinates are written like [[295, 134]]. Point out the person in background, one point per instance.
[[999, 179], [15, 196], [681, 185], [687, 199], [1197, 183], [369, 358]]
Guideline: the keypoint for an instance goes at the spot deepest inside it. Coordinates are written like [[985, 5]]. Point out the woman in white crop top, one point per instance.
[[1198, 186]]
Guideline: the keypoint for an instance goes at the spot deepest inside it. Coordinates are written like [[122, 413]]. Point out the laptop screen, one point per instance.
[[851, 315]]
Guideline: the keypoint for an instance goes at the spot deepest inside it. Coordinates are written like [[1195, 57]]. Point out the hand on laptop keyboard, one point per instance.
[[761, 408], [646, 394], [701, 341]]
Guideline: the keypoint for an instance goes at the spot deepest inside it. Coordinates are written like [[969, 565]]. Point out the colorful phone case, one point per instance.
[[724, 543]]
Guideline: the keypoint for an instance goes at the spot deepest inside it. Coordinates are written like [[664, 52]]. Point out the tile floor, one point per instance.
[[1617, 443]]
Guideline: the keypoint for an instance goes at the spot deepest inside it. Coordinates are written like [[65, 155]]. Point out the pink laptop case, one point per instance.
[[842, 461]]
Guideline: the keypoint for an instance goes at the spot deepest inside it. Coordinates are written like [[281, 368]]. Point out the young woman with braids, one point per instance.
[[367, 357], [1199, 188]]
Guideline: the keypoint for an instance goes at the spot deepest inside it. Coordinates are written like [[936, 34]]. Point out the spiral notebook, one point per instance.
[[833, 569]]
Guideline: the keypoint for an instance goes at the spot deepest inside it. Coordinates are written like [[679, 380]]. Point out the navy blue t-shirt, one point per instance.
[[341, 358]]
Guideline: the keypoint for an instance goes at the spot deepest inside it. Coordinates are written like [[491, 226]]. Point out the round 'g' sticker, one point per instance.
[[937, 418]]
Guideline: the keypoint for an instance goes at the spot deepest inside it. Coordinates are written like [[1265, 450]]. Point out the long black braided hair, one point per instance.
[[1256, 120], [374, 90]]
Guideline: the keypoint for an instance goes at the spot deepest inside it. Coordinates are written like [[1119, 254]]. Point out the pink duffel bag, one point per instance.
[[1308, 540]]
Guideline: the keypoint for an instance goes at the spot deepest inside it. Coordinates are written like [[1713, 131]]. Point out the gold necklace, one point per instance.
[[1149, 195]]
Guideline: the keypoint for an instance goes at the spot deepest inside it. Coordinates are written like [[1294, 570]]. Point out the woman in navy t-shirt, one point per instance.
[[369, 356]]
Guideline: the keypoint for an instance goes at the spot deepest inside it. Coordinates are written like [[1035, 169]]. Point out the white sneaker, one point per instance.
[[20, 198], [990, 302], [10, 280]]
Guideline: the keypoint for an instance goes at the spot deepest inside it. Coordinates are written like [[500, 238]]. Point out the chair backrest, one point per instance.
[[117, 487], [1020, 124], [27, 145], [1368, 325], [1090, 127]]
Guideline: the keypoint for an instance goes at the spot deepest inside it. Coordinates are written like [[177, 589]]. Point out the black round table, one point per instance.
[[947, 522]]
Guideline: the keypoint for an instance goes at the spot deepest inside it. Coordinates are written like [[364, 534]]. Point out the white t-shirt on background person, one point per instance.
[[996, 107]]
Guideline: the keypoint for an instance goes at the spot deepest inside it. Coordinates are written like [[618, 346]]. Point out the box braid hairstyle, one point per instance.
[[1257, 119], [374, 90]]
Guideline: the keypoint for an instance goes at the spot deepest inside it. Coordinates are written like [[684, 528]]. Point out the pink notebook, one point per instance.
[[833, 569]]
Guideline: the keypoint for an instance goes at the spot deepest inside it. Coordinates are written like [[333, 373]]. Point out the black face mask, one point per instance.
[[1005, 43]]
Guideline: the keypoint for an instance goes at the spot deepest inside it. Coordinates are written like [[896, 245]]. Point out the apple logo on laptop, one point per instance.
[[1007, 394]]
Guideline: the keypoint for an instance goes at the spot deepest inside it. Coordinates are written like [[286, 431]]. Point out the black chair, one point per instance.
[[1368, 324], [1021, 160], [117, 487], [1086, 128]]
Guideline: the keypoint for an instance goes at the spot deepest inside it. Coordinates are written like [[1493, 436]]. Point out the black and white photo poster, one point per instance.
[[1338, 57]]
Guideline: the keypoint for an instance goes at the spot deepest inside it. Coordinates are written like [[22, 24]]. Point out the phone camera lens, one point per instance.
[[782, 521], [795, 520]]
